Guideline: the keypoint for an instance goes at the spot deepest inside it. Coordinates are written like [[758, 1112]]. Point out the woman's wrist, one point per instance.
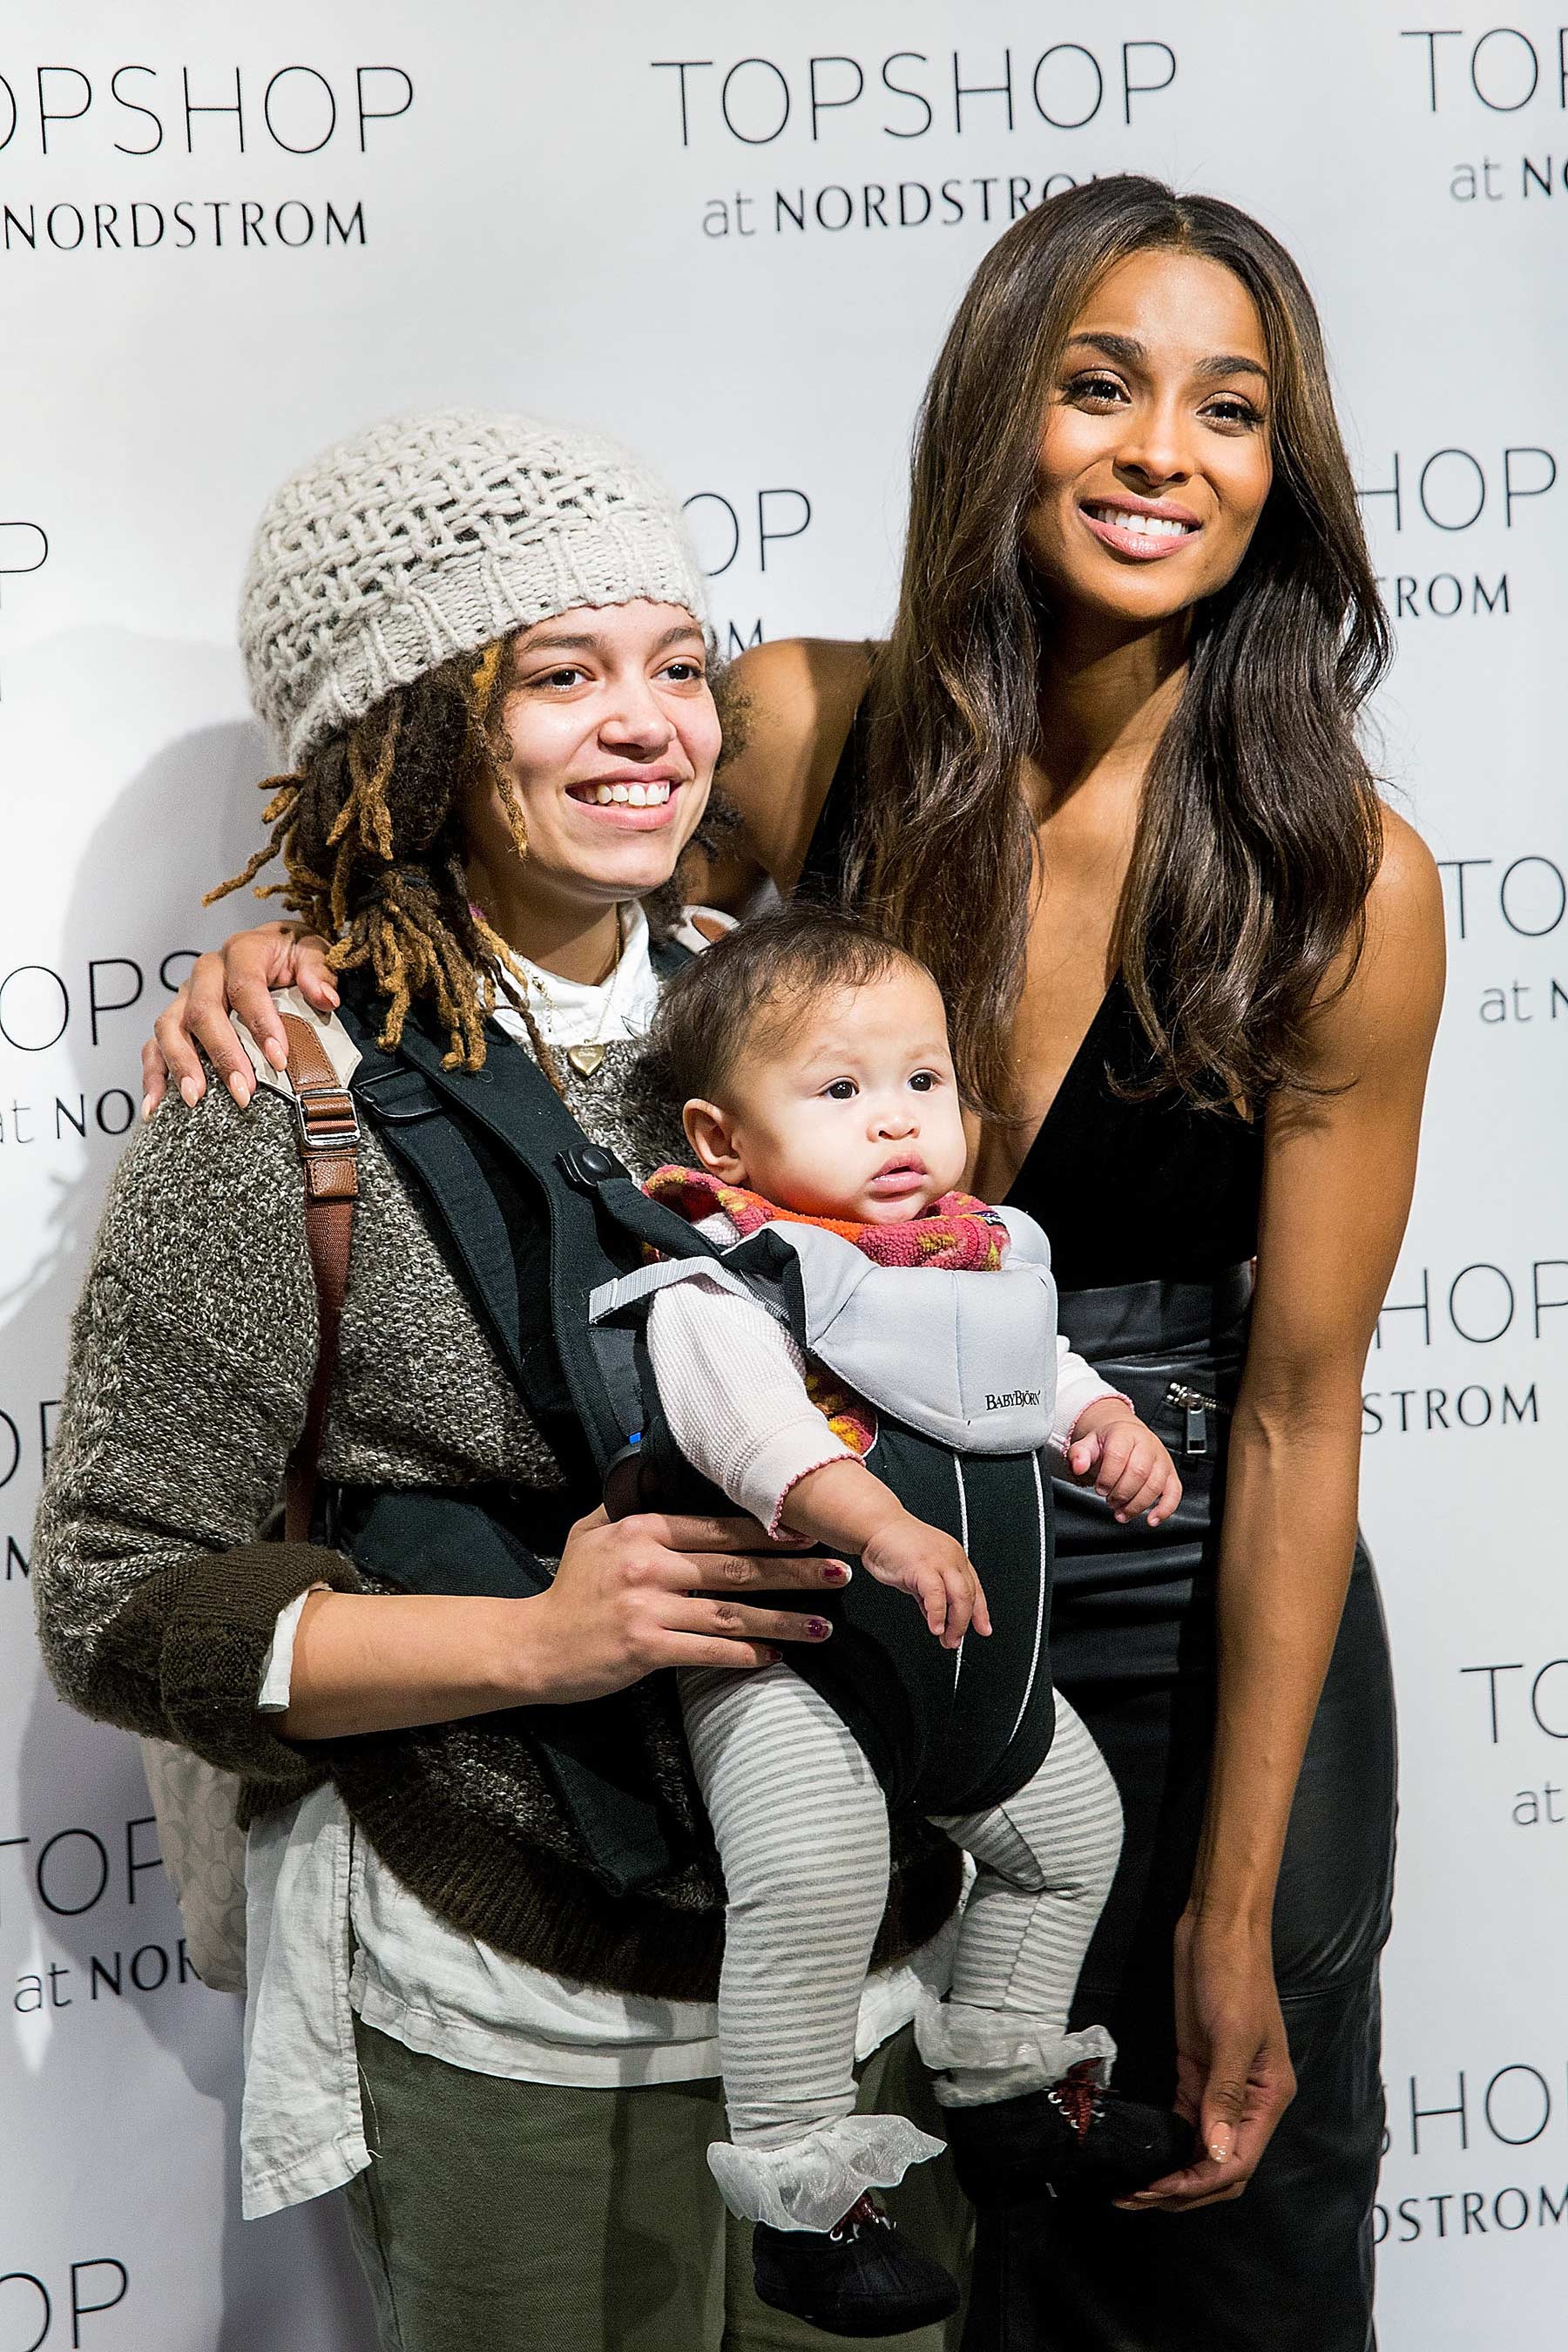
[[367, 1662], [519, 1665], [1245, 1911]]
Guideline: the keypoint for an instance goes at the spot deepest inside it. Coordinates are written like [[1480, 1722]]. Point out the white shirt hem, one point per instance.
[[326, 2168]]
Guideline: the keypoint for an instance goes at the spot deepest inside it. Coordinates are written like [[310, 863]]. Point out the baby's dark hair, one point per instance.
[[766, 972]]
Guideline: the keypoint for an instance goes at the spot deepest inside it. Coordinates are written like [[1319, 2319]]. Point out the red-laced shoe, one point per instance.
[[856, 2279], [1076, 2139]]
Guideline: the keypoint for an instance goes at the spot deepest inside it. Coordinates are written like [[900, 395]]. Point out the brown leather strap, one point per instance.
[[326, 1128]]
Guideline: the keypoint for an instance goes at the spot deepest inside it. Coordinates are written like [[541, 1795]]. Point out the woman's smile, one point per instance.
[[632, 801], [1142, 528]]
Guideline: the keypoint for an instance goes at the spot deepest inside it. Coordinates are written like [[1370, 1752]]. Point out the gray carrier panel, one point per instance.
[[967, 1359]]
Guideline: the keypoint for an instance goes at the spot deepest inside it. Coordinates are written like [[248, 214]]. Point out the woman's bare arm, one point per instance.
[[798, 697], [627, 1600], [1338, 1177]]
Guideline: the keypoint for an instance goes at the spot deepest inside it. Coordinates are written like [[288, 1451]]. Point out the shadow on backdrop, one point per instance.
[[188, 819]]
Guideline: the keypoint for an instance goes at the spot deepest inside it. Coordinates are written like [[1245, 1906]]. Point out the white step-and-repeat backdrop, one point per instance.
[[733, 234]]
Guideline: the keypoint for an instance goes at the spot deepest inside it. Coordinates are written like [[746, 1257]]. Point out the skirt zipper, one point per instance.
[[1196, 1406]]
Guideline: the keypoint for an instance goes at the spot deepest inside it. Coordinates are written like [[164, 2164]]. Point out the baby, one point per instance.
[[813, 1061]]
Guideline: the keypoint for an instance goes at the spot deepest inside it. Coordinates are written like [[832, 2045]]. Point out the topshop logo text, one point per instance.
[[1500, 69], [62, 113], [909, 94], [135, 110]]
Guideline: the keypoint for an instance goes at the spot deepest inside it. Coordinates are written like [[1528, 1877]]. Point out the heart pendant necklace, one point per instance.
[[588, 1055]]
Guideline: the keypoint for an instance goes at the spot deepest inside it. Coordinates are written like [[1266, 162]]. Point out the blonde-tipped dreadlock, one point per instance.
[[371, 829]]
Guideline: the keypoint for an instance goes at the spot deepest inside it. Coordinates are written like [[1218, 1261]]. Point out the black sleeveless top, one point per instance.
[[1127, 1190]]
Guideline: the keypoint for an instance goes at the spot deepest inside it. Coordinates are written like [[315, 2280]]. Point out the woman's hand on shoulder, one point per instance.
[[633, 1596], [226, 985], [795, 698]]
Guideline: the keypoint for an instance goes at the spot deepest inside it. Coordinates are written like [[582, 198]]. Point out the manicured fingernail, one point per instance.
[[276, 1054], [148, 1107], [191, 1091], [333, 999], [835, 1571], [819, 1628], [239, 1090], [768, 1657]]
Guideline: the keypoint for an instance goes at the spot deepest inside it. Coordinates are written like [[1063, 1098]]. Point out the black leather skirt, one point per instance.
[[1288, 2266]]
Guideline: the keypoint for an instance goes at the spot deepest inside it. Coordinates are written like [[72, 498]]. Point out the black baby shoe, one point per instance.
[[1076, 2139], [854, 2279]]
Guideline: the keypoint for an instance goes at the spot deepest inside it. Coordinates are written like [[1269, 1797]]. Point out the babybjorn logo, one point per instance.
[[1012, 1397]]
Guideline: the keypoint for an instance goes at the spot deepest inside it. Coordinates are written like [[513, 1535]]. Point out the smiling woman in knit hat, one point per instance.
[[465, 779], [479, 641]]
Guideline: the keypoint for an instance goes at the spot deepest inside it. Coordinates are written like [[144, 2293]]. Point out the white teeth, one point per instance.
[[1142, 525], [629, 795]]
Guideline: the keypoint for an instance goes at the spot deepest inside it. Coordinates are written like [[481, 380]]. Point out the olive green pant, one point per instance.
[[526, 2217]]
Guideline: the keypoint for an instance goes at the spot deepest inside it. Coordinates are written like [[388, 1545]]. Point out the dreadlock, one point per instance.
[[371, 831]]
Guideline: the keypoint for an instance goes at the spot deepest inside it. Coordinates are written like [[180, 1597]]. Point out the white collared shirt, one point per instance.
[[579, 1012]]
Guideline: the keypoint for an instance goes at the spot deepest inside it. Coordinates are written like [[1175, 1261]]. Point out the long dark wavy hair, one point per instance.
[[1260, 831]]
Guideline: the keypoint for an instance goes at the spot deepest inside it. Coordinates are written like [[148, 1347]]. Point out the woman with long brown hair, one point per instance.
[[1104, 780]]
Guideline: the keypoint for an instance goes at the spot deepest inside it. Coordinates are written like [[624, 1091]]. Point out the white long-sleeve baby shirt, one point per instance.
[[733, 1384]]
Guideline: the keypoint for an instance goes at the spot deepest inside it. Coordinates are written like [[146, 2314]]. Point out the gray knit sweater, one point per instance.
[[193, 1351]]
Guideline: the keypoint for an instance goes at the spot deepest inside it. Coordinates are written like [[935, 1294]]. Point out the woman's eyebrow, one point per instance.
[[586, 641], [1231, 364], [1132, 353], [1126, 348]]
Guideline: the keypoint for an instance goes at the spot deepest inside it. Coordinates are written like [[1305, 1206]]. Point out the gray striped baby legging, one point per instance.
[[802, 1829]]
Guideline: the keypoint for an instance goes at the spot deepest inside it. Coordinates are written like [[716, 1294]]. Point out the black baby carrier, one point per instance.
[[527, 1209]]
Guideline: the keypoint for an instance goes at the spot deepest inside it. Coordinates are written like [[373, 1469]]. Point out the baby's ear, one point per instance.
[[709, 1133]]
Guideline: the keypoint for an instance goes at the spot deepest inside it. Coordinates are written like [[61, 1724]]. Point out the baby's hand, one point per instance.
[[1128, 1464], [920, 1561]]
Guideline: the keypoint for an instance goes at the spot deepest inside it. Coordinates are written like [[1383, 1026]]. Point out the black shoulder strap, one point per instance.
[[436, 1122]]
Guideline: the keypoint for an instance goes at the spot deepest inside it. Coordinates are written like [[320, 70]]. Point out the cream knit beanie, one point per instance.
[[427, 536]]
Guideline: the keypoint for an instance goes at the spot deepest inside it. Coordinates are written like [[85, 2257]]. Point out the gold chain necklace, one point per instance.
[[585, 1057]]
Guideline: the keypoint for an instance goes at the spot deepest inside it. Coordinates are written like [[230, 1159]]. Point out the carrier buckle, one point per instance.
[[587, 1166], [325, 1120]]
